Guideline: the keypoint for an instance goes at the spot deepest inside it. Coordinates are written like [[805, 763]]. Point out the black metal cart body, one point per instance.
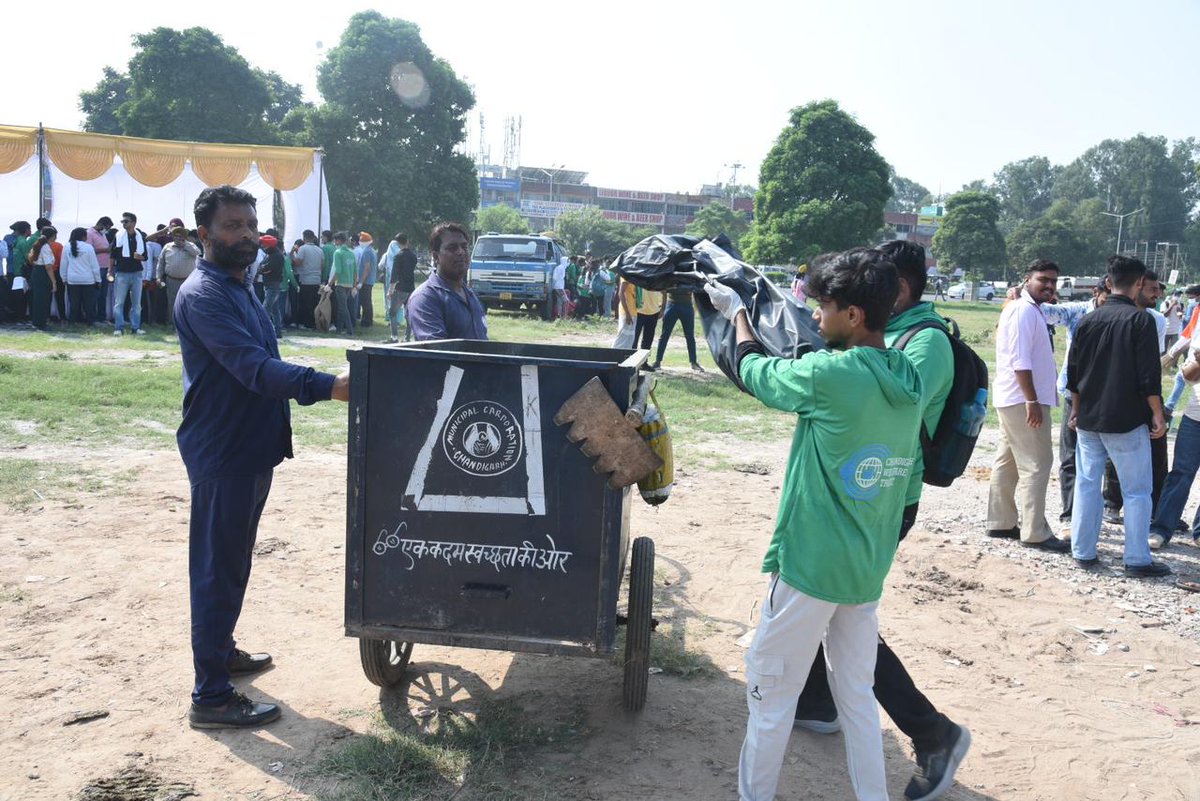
[[471, 520]]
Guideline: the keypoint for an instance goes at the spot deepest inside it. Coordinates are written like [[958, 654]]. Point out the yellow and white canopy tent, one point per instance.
[[77, 178]]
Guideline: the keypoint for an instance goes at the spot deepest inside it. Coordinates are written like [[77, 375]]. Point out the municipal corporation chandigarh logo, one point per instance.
[[863, 471], [482, 438]]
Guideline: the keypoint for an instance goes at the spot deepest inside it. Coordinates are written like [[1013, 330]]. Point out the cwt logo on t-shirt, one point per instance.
[[871, 470]]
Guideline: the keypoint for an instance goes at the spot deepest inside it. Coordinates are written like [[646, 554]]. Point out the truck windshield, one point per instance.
[[515, 248]]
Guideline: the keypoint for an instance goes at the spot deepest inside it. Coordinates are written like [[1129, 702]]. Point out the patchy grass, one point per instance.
[[450, 754], [25, 483]]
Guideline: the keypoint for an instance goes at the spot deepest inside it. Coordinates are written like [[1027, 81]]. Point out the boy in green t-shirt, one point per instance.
[[858, 410]]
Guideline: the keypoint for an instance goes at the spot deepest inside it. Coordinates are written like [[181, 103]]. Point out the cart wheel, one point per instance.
[[637, 632], [384, 661]]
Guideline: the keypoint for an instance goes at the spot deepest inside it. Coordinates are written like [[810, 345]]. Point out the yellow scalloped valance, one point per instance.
[[153, 163], [156, 162], [83, 156], [17, 146]]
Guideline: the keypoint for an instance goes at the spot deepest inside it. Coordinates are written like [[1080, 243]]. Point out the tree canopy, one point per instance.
[[501, 219], [822, 187], [717, 218], [907, 196], [189, 85], [587, 229], [392, 117], [968, 237]]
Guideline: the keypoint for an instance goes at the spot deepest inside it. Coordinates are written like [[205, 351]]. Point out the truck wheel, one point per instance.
[[637, 632], [384, 661]]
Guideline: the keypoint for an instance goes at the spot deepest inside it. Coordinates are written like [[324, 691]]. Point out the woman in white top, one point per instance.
[[80, 271], [42, 280]]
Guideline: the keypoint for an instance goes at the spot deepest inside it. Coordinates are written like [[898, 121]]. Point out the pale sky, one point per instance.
[[663, 95]]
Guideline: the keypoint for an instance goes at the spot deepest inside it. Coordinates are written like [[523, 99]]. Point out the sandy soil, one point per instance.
[[95, 621]]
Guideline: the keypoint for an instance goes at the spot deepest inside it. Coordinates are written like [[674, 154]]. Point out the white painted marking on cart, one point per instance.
[[535, 484], [445, 405], [474, 504]]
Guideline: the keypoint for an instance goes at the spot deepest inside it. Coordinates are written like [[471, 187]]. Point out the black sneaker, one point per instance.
[[1113, 516], [1013, 533], [1052, 544], [1152, 570], [239, 713], [241, 662], [1088, 564], [936, 769], [821, 718]]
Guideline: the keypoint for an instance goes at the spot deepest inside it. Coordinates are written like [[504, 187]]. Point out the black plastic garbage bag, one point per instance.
[[783, 326]]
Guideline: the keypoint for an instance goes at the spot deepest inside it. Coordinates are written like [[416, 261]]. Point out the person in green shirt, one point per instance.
[[939, 744], [858, 410], [343, 277], [327, 248]]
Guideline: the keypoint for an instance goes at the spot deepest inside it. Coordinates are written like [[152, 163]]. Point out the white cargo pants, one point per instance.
[[777, 666]]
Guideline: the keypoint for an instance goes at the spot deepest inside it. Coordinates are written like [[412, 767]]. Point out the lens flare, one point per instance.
[[409, 84]]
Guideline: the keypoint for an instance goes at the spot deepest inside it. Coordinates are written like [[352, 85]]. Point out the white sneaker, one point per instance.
[[118, 333], [139, 332], [1156, 542]]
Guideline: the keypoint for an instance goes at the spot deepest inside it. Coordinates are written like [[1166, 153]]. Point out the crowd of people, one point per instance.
[[1113, 460], [124, 277]]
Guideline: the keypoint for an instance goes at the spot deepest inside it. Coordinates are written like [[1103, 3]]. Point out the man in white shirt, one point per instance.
[[1023, 393], [558, 286]]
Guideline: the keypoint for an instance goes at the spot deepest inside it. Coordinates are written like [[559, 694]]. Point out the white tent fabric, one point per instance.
[[19, 195], [307, 206], [81, 203]]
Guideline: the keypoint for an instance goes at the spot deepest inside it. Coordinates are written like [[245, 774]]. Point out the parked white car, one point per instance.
[[986, 291]]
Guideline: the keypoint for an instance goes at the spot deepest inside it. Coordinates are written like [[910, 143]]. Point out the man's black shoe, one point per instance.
[[1013, 533], [1088, 564], [936, 769], [1151, 570], [241, 663], [821, 718], [239, 713], [1052, 544], [1182, 527]]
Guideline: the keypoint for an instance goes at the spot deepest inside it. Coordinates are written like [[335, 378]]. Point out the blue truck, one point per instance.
[[509, 271]]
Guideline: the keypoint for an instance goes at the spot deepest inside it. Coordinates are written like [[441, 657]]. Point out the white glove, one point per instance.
[[724, 299]]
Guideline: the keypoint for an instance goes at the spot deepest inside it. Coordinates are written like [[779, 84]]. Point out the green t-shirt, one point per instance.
[[929, 351], [327, 263], [21, 248], [843, 495], [345, 266]]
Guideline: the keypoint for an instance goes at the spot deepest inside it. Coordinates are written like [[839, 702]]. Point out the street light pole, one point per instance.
[[1121, 223]]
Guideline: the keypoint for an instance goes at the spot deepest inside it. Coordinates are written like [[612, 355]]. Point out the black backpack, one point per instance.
[[947, 452]]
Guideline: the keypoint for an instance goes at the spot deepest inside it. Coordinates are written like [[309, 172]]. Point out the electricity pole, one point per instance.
[[1121, 223]]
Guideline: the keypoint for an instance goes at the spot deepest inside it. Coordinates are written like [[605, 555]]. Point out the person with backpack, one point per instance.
[[939, 743], [858, 412]]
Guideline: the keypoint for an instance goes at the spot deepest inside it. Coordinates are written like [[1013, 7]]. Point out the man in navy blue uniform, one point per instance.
[[236, 427]]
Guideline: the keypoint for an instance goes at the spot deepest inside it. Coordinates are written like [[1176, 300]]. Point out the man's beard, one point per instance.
[[231, 257]]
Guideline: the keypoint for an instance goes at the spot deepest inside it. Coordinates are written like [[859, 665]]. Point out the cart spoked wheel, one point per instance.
[[637, 632], [384, 661]]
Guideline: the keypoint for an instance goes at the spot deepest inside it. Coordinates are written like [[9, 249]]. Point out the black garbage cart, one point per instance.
[[473, 522]]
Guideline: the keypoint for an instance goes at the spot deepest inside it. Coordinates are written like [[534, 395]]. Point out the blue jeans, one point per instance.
[[686, 315], [275, 296], [1130, 454], [127, 284], [1176, 391], [1179, 482]]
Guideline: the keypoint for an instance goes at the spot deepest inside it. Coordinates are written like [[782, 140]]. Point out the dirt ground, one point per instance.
[[95, 667]]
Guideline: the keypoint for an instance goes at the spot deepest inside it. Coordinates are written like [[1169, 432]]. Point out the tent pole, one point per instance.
[[41, 149], [321, 192]]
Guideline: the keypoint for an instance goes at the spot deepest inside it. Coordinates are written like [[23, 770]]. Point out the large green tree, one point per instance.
[[189, 85], [392, 117], [1047, 238], [587, 229], [501, 219], [822, 187], [907, 196], [968, 237], [717, 218], [1143, 172], [1025, 190]]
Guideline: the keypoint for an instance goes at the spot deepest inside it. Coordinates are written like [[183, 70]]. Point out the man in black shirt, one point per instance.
[[403, 284], [1115, 381]]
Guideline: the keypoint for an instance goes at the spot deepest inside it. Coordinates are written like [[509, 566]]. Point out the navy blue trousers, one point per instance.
[[224, 524], [686, 315]]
